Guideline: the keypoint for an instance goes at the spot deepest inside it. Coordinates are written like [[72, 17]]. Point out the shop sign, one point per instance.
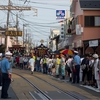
[[60, 14], [78, 29], [13, 33], [93, 43], [79, 43]]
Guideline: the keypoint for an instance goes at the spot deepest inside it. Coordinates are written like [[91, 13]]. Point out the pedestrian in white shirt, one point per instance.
[[50, 64], [31, 64], [96, 70]]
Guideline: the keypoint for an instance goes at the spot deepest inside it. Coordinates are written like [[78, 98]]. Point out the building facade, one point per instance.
[[85, 25]]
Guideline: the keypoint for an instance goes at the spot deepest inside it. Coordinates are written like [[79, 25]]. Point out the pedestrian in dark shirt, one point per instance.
[[6, 75], [0, 71]]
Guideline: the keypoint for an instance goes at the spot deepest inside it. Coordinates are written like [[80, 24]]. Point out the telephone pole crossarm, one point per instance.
[[2, 7]]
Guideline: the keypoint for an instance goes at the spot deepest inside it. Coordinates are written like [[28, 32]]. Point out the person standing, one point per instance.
[[37, 64], [0, 71], [31, 64], [25, 60], [63, 66], [76, 67], [53, 66], [21, 62], [68, 63], [85, 69], [6, 75], [96, 70], [45, 67], [58, 62]]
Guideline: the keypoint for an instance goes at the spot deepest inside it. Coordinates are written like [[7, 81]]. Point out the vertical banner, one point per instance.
[[3, 40], [78, 29]]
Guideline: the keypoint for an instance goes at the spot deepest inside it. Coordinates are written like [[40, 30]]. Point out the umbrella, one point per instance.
[[62, 51], [67, 51]]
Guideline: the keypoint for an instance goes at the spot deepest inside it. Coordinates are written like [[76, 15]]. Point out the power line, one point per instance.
[[44, 3], [36, 24]]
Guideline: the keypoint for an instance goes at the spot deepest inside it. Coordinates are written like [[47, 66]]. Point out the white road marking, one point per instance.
[[91, 88], [58, 91], [32, 96]]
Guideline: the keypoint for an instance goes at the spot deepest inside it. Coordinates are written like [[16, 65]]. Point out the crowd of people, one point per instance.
[[84, 70]]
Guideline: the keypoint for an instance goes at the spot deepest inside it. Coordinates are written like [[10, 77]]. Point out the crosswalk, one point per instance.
[[91, 88]]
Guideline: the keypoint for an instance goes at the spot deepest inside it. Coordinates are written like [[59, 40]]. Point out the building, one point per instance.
[[85, 25], [53, 39]]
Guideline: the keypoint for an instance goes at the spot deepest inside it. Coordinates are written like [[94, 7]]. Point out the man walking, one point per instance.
[[6, 75], [31, 64]]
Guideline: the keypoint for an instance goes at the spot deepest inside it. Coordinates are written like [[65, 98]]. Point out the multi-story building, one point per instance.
[[85, 25], [53, 42]]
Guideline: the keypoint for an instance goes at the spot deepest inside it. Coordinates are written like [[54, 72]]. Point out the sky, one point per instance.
[[37, 26]]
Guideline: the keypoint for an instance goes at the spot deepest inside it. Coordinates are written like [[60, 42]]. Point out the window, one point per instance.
[[92, 21], [97, 21]]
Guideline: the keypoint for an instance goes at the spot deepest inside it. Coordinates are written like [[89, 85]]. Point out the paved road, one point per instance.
[[19, 88]]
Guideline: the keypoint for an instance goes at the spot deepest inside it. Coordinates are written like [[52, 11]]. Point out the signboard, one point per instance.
[[93, 43], [60, 14], [79, 43], [13, 33], [78, 29]]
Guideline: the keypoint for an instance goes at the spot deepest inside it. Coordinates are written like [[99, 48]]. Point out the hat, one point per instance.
[[95, 56], [8, 53], [0, 54], [76, 52]]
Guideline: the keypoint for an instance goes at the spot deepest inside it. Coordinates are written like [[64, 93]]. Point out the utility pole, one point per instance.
[[23, 35], [17, 27], [6, 38], [10, 7]]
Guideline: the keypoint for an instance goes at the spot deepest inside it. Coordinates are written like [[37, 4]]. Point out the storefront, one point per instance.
[[92, 46], [78, 46]]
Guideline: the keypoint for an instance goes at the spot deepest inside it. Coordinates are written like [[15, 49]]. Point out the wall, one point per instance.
[[78, 10], [91, 32]]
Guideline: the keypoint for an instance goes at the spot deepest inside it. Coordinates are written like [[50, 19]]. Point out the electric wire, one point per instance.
[[36, 24], [44, 3]]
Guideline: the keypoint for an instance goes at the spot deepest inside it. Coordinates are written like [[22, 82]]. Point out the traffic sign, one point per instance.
[[60, 14], [13, 33]]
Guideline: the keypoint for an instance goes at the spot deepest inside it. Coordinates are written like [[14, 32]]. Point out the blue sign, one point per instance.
[[60, 14]]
